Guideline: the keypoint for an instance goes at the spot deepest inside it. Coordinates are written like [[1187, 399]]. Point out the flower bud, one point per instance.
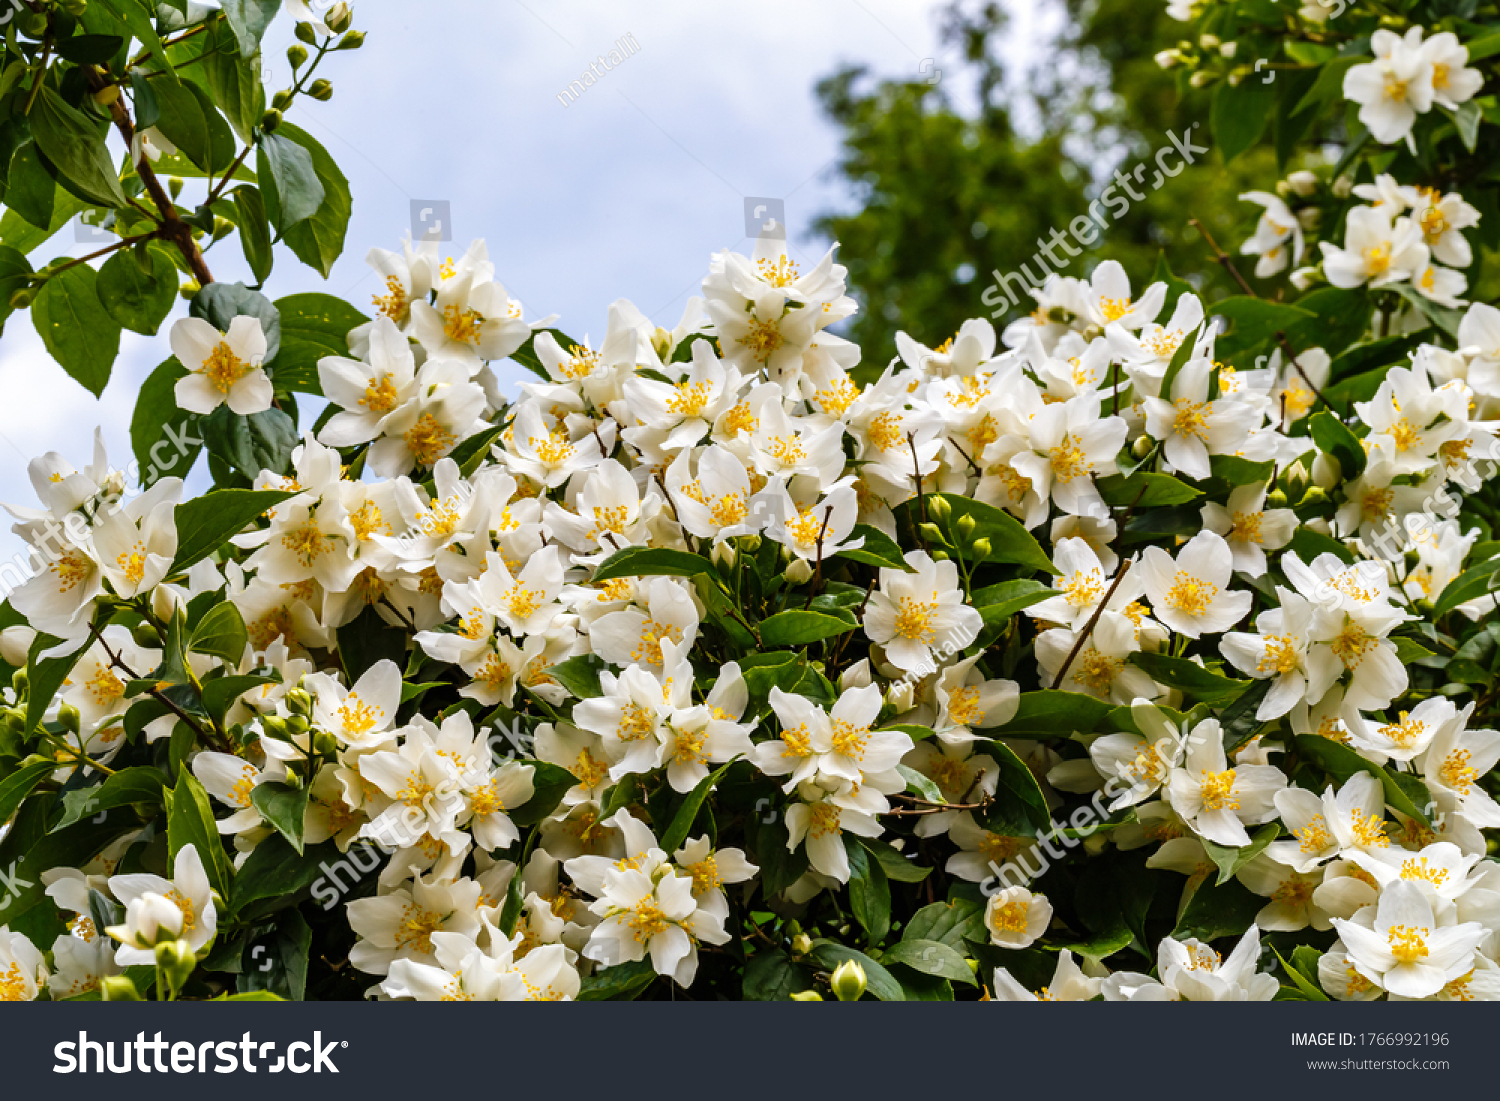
[[722, 555], [1209, 41], [932, 532], [296, 53], [1310, 218], [848, 981], [68, 716], [118, 988], [1314, 497], [799, 572], [149, 920], [352, 41], [964, 525], [22, 298], [1169, 59], [299, 701], [982, 548], [305, 33], [338, 17], [321, 90], [801, 944], [749, 543], [75, 8], [939, 508], [15, 644], [1229, 49], [1276, 499], [1142, 447], [174, 186], [1303, 182], [1343, 186], [1201, 79], [283, 99], [1326, 471], [270, 120], [176, 960], [807, 996], [108, 95], [144, 635], [900, 696]]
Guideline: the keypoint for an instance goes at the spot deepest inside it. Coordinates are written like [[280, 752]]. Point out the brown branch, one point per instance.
[[1222, 257], [1093, 621], [1291, 355], [172, 228]]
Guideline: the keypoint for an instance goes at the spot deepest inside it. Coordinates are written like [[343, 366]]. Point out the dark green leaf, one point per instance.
[[74, 144], [869, 891], [137, 301], [1189, 676], [191, 822], [797, 628], [879, 549], [682, 822], [284, 807], [650, 562], [249, 20], [1230, 860], [880, 982], [579, 675], [221, 632], [318, 240], [250, 444], [141, 784], [276, 964], [255, 232], [205, 523], [931, 958], [771, 976], [77, 330]]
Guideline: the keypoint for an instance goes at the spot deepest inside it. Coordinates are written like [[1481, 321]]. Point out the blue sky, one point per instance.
[[624, 193]]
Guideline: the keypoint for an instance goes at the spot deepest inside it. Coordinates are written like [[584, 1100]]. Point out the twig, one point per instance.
[[155, 693], [966, 455], [1291, 355], [1093, 620], [1222, 257]]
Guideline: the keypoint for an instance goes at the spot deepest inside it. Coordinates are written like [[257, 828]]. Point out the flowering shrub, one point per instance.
[[1145, 652]]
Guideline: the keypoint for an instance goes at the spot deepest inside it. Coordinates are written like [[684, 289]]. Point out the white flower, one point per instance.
[[1068, 444], [1249, 527], [360, 716], [1323, 826], [1100, 666], [1452, 764], [1069, 984], [401, 924], [1144, 761], [1277, 228], [1453, 82], [23, 971], [181, 907], [1218, 802], [1409, 736], [1279, 650], [1395, 88], [1293, 905], [368, 393], [911, 615], [1191, 427], [1016, 917], [1376, 251], [1402, 948], [1188, 594], [223, 368]]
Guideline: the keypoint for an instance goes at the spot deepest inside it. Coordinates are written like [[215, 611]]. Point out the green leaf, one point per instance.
[[772, 976], [1145, 491], [45, 677], [879, 982], [948, 923], [162, 436], [895, 865], [74, 144], [1102, 945], [191, 822], [687, 814], [549, 784], [205, 523], [220, 693], [234, 80], [274, 874], [221, 632], [140, 784], [137, 301], [1253, 322], [318, 240], [276, 965], [17, 233], [284, 807], [869, 891], [1188, 676], [920, 785], [1239, 115], [368, 640], [1216, 911], [314, 326], [1409, 651], [1303, 983], [1057, 713], [797, 628], [879, 549], [17, 786], [1467, 119], [623, 982], [72, 847], [1473, 583], [1019, 781], [249, 20], [1009, 539], [30, 189], [579, 675], [76, 328], [1341, 762], [251, 444], [255, 233], [1230, 860], [298, 191], [1330, 85], [931, 958], [1238, 720], [1333, 437], [14, 272], [182, 121], [650, 562]]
